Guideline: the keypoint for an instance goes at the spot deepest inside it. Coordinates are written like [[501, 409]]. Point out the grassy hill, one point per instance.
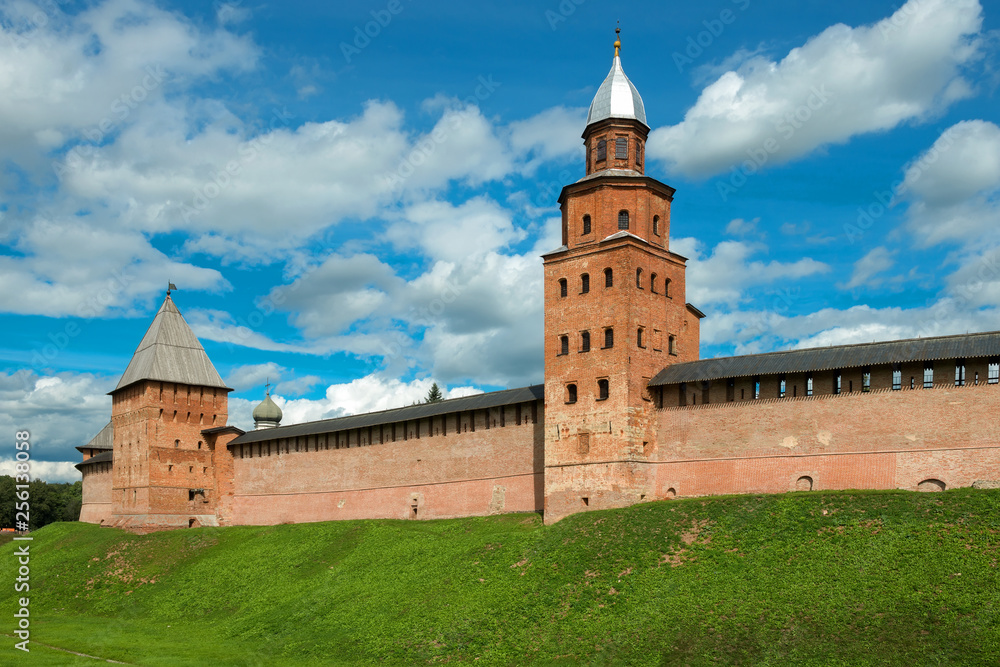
[[850, 578]]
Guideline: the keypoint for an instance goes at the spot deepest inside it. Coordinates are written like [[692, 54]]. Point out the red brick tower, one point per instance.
[[615, 314], [163, 471]]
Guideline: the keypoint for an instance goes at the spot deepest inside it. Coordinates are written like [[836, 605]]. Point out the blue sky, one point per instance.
[[352, 197]]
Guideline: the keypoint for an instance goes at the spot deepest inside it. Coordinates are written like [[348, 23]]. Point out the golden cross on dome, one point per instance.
[[618, 39]]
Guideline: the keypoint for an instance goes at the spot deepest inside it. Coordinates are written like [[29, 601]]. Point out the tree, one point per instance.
[[434, 395]]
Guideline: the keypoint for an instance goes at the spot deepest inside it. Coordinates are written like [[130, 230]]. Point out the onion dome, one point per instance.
[[267, 414], [617, 97]]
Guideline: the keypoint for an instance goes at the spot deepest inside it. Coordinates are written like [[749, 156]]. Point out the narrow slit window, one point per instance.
[[666, 287], [603, 390], [993, 373], [928, 375], [756, 388], [652, 283], [563, 288], [609, 338], [585, 283], [609, 278], [621, 148], [586, 224], [563, 344], [809, 385], [622, 220], [672, 344], [638, 337], [782, 387], [602, 150], [897, 377], [571, 393], [960, 373], [585, 341], [837, 380], [866, 380], [638, 278], [638, 153], [656, 225]]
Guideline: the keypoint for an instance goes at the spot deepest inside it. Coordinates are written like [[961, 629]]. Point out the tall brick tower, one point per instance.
[[615, 314], [163, 471]]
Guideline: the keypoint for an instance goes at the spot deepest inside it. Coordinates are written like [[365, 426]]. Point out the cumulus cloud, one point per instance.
[[723, 275], [865, 269], [843, 82], [367, 394]]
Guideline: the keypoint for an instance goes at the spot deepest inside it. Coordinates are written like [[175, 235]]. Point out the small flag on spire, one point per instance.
[[170, 287]]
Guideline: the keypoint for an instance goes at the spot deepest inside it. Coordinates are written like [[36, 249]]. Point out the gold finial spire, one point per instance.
[[618, 39]]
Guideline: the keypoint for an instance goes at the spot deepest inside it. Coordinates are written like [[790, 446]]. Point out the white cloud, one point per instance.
[[724, 275], [865, 269], [51, 471], [841, 83], [550, 136], [741, 227], [367, 394], [242, 378], [455, 233]]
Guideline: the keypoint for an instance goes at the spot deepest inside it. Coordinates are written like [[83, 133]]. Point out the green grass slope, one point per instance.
[[850, 578]]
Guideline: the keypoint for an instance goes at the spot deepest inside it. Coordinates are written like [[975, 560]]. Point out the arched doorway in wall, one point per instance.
[[804, 483], [931, 485], [671, 493]]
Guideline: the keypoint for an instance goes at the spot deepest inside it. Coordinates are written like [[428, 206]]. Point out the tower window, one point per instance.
[[837, 382], [638, 337], [672, 344], [584, 283], [603, 390], [866, 380], [638, 278], [621, 148], [609, 338], [756, 387], [609, 278], [586, 224], [656, 225], [652, 283], [571, 393], [897, 377], [563, 344], [666, 287], [809, 385], [602, 150], [638, 153], [782, 387], [585, 341], [563, 287], [960, 373], [993, 373], [622, 219], [929, 375]]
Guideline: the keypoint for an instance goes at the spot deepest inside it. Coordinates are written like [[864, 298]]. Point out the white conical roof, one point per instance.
[[170, 352], [617, 98]]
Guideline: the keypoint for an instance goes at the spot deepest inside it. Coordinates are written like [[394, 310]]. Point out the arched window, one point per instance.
[[621, 148], [602, 150], [584, 283], [609, 337], [672, 345], [638, 153], [656, 225], [563, 344], [563, 287], [638, 278], [666, 287], [622, 219], [585, 341], [638, 337], [603, 390], [652, 283], [571, 393], [586, 224]]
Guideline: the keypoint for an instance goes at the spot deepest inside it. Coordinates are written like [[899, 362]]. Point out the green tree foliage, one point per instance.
[[48, 503], [434, 395]]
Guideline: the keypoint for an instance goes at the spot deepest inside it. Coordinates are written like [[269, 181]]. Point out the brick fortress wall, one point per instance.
[[882, 439], [447, 466]]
